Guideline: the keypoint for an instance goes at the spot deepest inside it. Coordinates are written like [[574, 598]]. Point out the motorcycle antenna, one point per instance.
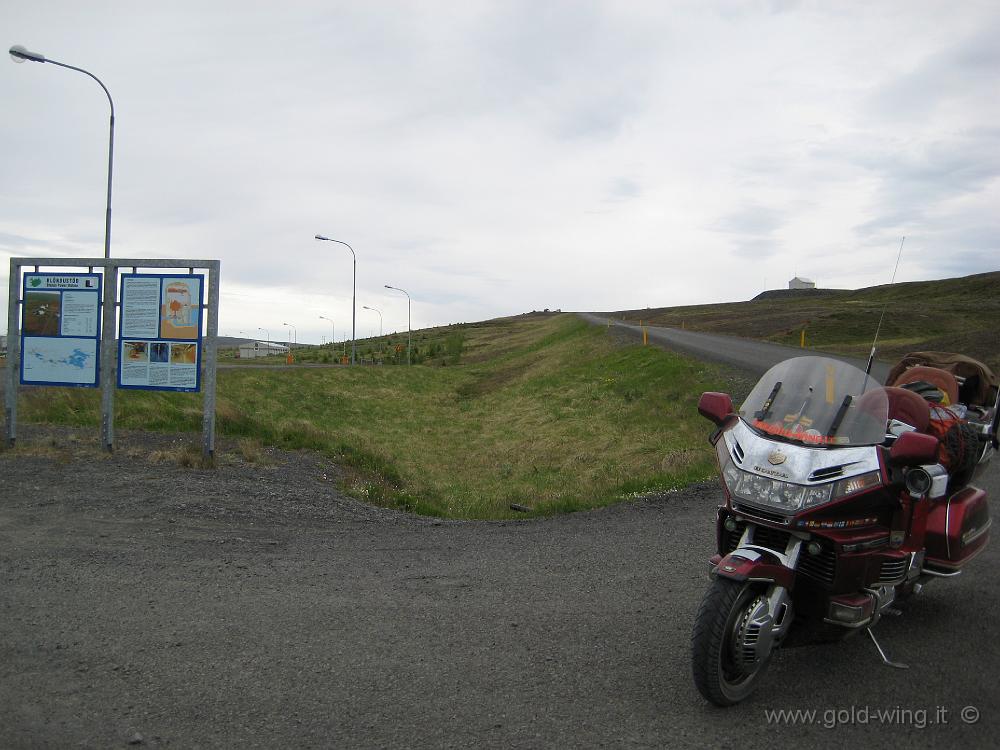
[[871, 356]]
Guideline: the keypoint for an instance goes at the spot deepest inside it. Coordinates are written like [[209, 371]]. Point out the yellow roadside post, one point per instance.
[[802, 339]]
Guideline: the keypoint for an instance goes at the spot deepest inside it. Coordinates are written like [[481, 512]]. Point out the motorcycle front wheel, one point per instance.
[[722, 671]]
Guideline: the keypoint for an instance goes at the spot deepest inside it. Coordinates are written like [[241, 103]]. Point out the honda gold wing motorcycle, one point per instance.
[[839, 499]]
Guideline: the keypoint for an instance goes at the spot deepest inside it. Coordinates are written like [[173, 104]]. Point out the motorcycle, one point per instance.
[[840, 498]]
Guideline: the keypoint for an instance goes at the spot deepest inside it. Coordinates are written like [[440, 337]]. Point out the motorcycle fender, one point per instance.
[[749, 565]]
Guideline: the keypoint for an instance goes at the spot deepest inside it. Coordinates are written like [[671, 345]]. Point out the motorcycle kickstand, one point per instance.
[[885, 659]]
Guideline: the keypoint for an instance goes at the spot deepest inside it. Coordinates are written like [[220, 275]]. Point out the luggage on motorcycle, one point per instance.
[[957, 529], [933, 383], [959, 445], [978, 385], [971, 392]]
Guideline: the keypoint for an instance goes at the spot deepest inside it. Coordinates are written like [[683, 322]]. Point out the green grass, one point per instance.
[[544, 411]]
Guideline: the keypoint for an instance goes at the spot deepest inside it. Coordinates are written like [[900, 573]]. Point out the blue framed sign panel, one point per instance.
[[60, 329], [159, 340]]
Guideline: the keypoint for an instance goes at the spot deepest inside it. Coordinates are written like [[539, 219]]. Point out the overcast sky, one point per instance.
[[493, 158]]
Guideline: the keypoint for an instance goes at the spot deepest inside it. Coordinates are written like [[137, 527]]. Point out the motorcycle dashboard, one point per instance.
[[818, 401]]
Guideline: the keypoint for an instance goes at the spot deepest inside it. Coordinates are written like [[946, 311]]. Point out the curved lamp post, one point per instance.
[[19, 54], [375, 309], [268, 340], [408, 331], [354, 293], [296, 338]]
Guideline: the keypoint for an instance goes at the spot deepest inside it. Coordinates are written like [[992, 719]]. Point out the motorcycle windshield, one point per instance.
[[818, 401]]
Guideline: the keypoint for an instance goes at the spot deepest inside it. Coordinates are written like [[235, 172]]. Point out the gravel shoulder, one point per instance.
[[147, 604]]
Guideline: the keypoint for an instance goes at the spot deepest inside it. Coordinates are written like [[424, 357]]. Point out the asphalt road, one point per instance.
[[746, 354]]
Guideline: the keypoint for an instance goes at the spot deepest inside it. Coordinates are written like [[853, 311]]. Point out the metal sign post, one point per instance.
[[111, 344]]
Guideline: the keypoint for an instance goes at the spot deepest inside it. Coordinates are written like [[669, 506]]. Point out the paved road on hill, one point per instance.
[[753, 356]]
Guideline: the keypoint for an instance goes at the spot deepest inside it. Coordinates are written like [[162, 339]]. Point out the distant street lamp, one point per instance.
[[289, 325], [373, 309], [19, 54], [333, 330], [355, 292], [408, 331], [267, 348]]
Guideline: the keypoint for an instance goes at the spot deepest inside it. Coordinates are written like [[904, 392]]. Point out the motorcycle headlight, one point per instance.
[[787, 497]]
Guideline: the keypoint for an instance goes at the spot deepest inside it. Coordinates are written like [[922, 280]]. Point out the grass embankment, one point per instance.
[[542, 411], [954, 315]]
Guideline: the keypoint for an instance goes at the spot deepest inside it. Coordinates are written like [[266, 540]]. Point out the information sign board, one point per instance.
[[160, 341], [60, 329]]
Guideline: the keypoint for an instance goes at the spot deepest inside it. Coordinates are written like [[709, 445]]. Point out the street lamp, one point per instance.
[[408, 332], [267, 341], [19, 54], [296, 339], [333, 332], [355, 292], [373, 309]]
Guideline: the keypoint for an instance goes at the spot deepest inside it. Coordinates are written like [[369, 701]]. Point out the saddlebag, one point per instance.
[[957, 529]]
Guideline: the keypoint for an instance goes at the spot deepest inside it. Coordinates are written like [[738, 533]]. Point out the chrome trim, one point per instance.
[[756, 513], [938, 574], [947, 526], [764, 626], [802, 461], [789, 558], [978, 533], [892, 572]]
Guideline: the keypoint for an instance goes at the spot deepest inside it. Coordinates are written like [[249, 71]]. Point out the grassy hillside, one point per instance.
[[959, 315], [543, 411]]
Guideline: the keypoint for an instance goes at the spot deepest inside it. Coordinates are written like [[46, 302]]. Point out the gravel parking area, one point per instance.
[[251, 605]]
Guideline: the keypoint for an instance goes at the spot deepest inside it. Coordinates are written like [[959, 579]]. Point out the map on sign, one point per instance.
[[60, 329], [72, 361]]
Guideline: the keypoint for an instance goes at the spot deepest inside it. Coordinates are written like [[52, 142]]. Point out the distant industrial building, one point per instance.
[[799, 283], [253, 349]]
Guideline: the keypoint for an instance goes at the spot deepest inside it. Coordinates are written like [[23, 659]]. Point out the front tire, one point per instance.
[[721, 671]]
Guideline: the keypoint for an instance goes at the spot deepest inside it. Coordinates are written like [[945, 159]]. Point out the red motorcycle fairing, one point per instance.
[[750, 565]]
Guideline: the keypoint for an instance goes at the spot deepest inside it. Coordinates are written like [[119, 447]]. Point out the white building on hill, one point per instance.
[[800, 283]]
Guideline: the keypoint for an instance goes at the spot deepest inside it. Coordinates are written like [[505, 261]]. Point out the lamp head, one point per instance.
[[321, 237], [19, 54]]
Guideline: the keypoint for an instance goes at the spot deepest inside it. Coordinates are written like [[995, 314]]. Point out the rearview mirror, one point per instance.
[[715, 407], [913, 449]]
